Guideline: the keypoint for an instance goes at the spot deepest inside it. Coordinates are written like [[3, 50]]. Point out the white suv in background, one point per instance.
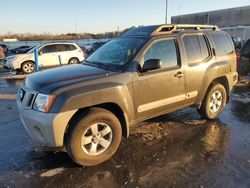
[[49, 55]]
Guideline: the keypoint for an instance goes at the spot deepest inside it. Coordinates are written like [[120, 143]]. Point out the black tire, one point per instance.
[[210, 107], [28, 67], [74, 61], [83, 126]]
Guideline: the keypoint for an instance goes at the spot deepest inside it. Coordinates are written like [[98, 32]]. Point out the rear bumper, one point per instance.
[[235, 78], [232, 79]]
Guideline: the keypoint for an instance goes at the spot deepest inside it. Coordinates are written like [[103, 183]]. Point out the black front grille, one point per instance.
[[30, 99]]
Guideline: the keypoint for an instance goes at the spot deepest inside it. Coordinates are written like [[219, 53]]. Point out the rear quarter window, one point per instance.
[[223, 45], [70, 47]]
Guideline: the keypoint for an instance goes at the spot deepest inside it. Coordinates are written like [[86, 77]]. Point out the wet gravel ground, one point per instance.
[[175, 150]]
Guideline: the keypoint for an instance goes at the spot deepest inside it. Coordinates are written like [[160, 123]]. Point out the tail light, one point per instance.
[[238, 56]]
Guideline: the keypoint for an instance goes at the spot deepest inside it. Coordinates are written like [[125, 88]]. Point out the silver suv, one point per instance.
[[147, 72], [50, 55]]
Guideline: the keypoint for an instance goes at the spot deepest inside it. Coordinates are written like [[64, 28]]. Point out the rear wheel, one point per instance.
[[94, 138], [214, 102], [74, 61], [28, 67]]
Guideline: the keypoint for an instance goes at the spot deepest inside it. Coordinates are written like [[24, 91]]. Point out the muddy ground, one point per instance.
[[176, 150]]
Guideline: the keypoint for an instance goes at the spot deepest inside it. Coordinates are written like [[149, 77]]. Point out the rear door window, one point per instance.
[[193, 50], [223, 46]]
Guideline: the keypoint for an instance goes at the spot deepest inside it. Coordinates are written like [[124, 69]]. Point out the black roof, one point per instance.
[[141, 31], [147, 31]]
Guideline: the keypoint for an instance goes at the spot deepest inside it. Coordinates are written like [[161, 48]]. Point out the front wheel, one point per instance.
[[214, 102], [28, 67], [94, 138]]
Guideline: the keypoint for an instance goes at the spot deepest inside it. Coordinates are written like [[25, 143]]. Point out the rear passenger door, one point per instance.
[[197, 56], [63, 53], [161, 90]]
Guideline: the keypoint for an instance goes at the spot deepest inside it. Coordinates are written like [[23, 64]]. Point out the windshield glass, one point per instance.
[[32, 49], [116, 52]]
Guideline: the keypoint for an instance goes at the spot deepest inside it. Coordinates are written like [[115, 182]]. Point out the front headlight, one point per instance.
[[43, 102], [11, 58]]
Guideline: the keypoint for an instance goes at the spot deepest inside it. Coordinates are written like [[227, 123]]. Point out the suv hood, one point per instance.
[[20, 56], [49, 80]]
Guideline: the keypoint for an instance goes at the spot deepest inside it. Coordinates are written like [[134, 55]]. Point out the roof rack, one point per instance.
[[171, 28]]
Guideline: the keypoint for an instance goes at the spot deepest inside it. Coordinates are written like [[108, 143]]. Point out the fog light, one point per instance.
[[38, 133]]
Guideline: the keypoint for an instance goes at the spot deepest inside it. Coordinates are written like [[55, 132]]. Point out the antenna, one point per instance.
[[166, 19]]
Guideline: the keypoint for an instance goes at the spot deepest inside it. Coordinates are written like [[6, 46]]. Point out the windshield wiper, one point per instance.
[[95, 64]]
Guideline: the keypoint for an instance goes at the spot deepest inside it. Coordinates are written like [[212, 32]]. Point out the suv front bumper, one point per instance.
[[46, 128]]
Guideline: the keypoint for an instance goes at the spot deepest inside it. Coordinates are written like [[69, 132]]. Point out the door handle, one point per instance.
[[179, 74]]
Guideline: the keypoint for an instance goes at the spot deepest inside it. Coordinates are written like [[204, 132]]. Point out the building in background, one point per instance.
[[236, 21]]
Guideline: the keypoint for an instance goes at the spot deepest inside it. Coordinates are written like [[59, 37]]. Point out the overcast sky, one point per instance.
[[95, 16]]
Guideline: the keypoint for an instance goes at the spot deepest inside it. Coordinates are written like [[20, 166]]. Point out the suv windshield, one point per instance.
[[116, 53], [32, 49]]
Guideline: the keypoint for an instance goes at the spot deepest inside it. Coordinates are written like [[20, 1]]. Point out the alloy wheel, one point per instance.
[[96, 139]]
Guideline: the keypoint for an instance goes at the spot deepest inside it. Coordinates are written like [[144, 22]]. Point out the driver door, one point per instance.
[[161, 90]]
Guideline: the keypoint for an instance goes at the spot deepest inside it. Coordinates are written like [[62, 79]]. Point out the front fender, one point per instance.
[[82, 96]]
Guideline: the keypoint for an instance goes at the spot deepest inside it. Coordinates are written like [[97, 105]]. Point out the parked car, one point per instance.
[[147, 72], [21, 49], [50, 55], [243, 57], [2, 55], [94, 47], [237, 42], [84, 51], [245, 50], [5, 48]]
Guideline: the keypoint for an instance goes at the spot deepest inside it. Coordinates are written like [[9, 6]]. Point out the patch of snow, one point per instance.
[[52, 172]]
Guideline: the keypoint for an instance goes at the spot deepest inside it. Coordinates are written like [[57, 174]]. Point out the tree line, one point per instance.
[[68, 36]]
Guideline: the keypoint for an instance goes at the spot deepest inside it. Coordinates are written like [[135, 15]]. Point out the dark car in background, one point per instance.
[[2, 55], [21, 49], [5, 48], [243, 59], [94, 47], [245, 50]]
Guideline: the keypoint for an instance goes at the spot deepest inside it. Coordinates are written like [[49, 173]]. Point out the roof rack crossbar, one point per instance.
[[170, 28]]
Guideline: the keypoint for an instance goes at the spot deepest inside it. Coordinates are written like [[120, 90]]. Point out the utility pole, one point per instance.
[[76, 30], [208, 18], [166, 19]]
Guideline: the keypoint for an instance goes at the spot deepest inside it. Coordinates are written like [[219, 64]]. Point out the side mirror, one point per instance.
[[151, 64], [40, 52]]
